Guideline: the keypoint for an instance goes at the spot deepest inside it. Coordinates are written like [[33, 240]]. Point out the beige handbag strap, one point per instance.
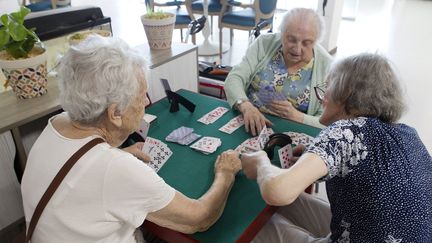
[[56, 183]]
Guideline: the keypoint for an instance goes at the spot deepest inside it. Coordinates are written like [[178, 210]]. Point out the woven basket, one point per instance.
[[159, 31]]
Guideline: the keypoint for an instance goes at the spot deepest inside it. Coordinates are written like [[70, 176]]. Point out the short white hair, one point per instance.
[[96, 73], [304, 14]]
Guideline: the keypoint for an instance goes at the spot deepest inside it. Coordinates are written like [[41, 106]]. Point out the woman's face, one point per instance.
[[298, 41], [333, 111], [135, 110]]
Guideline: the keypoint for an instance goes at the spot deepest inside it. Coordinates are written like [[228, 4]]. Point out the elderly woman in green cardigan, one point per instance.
[[279, 73]]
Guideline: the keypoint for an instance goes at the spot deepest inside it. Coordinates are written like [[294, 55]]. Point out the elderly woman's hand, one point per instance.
[[286, 110], [297, 152], [229, 162], [136, 150], [253, 118], [250, 163]]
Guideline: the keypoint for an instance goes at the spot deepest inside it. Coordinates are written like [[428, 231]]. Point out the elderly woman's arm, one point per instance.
[[239, 78], [282, 186], [189, 215]]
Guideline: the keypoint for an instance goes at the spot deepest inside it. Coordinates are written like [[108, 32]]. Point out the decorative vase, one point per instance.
[[159, 31], [27, 77]]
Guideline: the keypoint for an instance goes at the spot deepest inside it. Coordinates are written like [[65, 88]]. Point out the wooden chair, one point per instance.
[[245, 18]]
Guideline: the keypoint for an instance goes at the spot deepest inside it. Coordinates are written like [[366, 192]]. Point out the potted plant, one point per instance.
[[158, 27], [23, 58]]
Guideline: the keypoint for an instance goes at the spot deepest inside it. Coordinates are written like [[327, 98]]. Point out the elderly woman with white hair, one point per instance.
[[279, 71], [378, 172], [109, 192]]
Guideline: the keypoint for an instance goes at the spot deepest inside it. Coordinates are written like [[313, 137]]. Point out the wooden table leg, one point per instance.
[[258, 223]]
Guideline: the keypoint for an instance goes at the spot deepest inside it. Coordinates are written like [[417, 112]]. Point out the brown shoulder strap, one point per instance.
[[56, 183]]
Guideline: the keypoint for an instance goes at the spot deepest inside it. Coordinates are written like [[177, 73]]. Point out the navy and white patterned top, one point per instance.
[[379, 181]]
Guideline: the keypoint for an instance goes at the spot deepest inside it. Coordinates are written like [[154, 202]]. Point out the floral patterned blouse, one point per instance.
[[274, 83], [378, 183]]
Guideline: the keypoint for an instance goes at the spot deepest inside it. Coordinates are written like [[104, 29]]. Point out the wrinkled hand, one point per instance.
[[285, 109], [253, 118], [297, 152], [250, 163], [228, 162], [136, 150]]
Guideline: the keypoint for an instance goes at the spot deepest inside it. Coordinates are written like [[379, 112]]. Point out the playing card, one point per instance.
[[232, 125], [143, 128], [252, 144], [178, 134], [263, 137], [189, 139], [285, 156], [207, 144], [149, 117], [213, 115], [300, 138], [158, 151], [267, 96], [149, 144]]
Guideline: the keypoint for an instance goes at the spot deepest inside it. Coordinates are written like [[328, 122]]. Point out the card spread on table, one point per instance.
[[285, 156], [232, 125], [158, 151], [268, 96], [207, 145], [143, 128], [255, 143], [149, 117], [182, 135], [300, 138], [213, 115]]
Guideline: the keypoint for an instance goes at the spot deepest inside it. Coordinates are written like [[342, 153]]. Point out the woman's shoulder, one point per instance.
[[270, 39], [322, 54]]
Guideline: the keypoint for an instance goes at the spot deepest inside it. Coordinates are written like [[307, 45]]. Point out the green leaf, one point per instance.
[[5, 19], [28, 44], [16, 50], [20, 15], [4, 37], [18, 32]]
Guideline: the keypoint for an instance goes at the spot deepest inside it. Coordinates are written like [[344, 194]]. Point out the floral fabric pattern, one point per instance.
[[274, 83], [378, 181]]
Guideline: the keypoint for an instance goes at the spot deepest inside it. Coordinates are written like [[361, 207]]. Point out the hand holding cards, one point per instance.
[[256, 143], [158, 151]]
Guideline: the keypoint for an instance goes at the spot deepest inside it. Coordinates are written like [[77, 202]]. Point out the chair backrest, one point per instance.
[[264, 9], [183, 16]]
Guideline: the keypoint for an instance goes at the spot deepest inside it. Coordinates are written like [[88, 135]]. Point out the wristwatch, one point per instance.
[[239, 102]]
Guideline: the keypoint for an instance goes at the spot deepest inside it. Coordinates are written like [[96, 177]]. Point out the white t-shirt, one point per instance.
[[104, 197]]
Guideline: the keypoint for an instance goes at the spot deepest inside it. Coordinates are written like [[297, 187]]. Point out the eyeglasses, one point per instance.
[[320, 92]]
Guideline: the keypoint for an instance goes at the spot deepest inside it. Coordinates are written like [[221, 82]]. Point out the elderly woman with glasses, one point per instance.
[[378, 173], [279, 71], [109, 192]]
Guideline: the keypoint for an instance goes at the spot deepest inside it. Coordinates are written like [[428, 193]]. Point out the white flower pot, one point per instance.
[[27, 77], [159, 31]]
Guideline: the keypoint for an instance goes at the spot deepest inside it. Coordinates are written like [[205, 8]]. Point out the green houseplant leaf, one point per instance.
[[15, 38]]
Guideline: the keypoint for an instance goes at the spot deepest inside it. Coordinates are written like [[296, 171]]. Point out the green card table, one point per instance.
[[191, 172]]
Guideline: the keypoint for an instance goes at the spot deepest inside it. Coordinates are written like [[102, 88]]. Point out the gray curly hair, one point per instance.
[[304, 14], [366, 85], [95, 74]]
